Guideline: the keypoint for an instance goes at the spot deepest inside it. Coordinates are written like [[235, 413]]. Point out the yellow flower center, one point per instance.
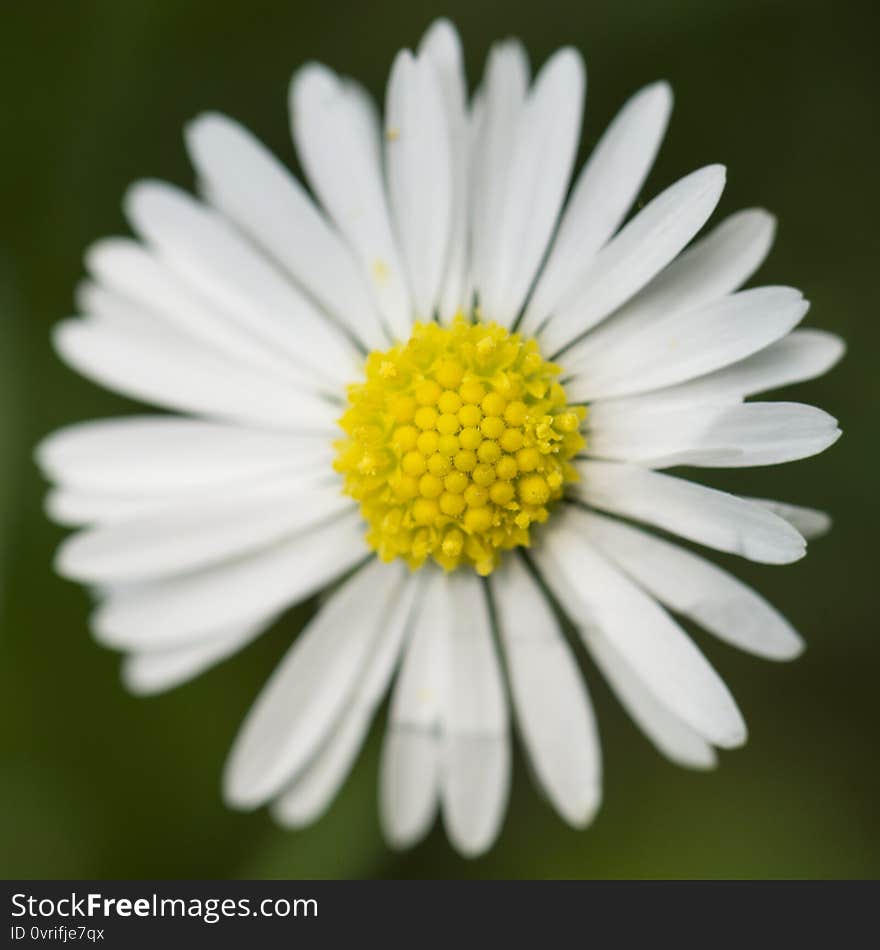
[[457, 442]]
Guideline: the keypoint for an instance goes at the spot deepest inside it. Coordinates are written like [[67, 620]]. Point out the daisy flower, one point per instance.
[[443, 386]]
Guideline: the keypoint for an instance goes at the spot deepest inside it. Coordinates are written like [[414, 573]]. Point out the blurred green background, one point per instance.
[[97, 784]]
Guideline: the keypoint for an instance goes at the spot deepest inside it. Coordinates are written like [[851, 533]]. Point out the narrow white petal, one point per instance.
[[311, 793], [696, 588], [409, 776], [497, 109], [726, 436], [309, 689], [145, 674], [188, 609], [167, 370], [663, 657], [337, 138], [601, 197], [810, 522], [410, 769], [701, 514], [637, 253], [684, 345], [476, 199], [539, 170], [135, 284], [74, 507], [203, 249], [205, 533], [550, 698], [475, 692], [476, 748], [799, 356], [418, 164], [667, 731], [442, 46], [671, 735], [247, 182], [420, 694], [475, 785], [159, 454], [112, 309], [134, 290], [711, 268]]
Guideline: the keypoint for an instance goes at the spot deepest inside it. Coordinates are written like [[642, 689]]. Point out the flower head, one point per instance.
[[444, 390], [458, 442]]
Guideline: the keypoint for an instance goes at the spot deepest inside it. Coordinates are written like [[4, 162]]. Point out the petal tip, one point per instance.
[[582, 814], [661, 91], [734, 737]]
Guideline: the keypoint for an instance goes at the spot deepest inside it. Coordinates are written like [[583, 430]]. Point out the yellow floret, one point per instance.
[[470, 415], [465, 461], [427, 442], [472, 391], [426, 417], [428, 392], [413, 463], [489, 452], [492, 427], [493, 404], [450, 401]]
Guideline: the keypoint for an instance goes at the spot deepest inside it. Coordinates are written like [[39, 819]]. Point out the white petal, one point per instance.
[[442, 46], [135, 285], [602, 195], [663, 657], [799, 356], [475, 203], [696, 588], [667, 731], [165, 369], [112, 309], [337, 138], [475, 699], [550, 698], [711, 268], [188, 609], [420, 694], [810, 522], [73, 507], [670, 734], [538, 174], [158, 454], [145, 674], [684, 345], [701, 514], [475, 783], [498, 110], [204, 533], [419, 168], [754, 433], [476, 750], [201, 247], [309, 689], [311, 793], [409, 774], [636, 254], [248, 183]]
